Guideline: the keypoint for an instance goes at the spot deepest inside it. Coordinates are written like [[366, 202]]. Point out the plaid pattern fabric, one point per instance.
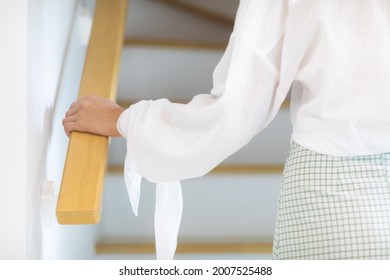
[[333, 207]]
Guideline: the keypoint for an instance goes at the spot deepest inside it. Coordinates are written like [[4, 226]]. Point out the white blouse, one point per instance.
[[337, 53]]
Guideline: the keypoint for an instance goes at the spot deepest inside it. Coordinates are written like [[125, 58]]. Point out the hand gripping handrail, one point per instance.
[[81, 190]]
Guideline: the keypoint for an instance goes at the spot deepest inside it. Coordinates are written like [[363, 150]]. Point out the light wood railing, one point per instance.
[[81, 190]]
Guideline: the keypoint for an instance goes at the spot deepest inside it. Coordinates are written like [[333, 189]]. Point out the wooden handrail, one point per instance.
[[81, 190], [263, 169], [185, 248]]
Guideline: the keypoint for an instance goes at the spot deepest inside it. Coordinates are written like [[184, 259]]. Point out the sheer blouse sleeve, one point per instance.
[[169, 141]]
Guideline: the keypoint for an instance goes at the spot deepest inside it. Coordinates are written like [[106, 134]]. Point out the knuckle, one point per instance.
[[82, 104], [80, 127]]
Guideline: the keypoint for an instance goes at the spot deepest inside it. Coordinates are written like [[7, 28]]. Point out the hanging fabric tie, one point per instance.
[[168, 211]]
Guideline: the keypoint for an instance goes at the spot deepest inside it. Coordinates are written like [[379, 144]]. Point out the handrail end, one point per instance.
[[77, 217]]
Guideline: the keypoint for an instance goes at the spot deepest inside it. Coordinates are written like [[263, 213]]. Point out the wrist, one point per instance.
[[116, 116]]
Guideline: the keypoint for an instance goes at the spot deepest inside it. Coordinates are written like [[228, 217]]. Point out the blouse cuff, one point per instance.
[[168, 211], [123, 121]]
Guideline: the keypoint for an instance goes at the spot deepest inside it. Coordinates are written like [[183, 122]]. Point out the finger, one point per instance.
[[73, 109], [72, 126], [70, 118], [68, 129]]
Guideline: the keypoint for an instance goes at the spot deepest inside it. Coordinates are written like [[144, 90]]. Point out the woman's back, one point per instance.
[[340, 105]]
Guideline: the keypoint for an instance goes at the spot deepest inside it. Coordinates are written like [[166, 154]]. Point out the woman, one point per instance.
[[335, 197]]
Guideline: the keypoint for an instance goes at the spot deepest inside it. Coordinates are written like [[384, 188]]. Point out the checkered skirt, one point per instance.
[[333, 207]]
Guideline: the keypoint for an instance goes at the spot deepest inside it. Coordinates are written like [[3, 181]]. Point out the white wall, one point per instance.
[[57, 38], [36, 90], [48, 28], [13, 18]]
